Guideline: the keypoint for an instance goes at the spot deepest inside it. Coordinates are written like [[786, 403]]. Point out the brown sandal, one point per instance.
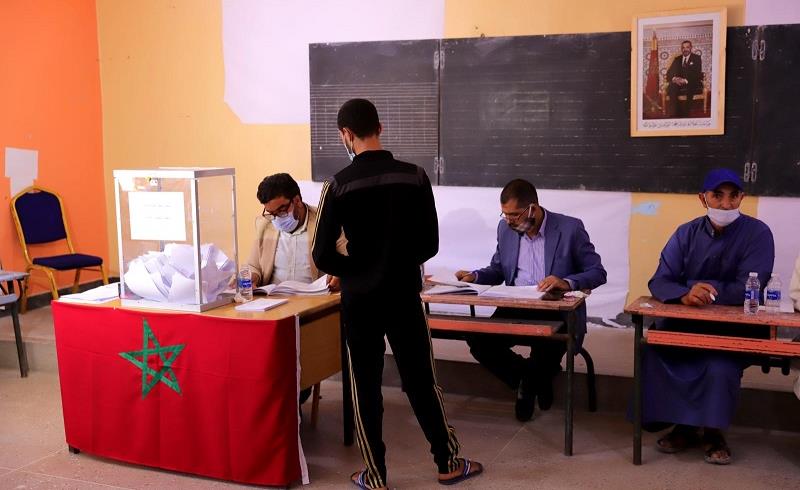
[[679, 439], [716, 449]]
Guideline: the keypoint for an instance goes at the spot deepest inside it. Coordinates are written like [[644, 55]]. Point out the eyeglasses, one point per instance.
[[278, 213], [517, 215]]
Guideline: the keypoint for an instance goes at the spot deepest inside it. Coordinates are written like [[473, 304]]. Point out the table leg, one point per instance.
[[348, 421], [22, 356], [568, 411], [638, 323]]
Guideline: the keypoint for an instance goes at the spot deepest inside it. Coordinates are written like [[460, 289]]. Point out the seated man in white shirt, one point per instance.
[[284, 234]]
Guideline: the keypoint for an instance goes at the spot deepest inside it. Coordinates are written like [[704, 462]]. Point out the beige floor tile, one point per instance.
[[516, 455], [32, 481], [85, 467], [36, 326], [31, 426]]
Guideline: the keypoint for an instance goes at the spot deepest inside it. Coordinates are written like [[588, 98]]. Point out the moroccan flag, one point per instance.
[[184, 392], [651, 102]]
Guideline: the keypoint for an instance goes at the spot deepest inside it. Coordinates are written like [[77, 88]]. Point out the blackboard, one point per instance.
[[555, 110], [776, 149], [399, 77]]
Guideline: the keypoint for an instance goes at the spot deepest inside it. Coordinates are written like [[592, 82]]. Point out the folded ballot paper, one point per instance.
[[168, 276], [444, 285], [316, 288]]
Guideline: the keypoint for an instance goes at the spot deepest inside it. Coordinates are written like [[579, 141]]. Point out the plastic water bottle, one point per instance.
[[752, 288], [772, 294], [245, 284]]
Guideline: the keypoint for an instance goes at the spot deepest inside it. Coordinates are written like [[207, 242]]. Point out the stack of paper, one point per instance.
[[316, 288], [100, 294], [514, 292], [261, 304], [444, 285], [168, 276]]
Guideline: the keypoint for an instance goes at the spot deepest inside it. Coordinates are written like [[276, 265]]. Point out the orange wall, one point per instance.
[[50, 102]]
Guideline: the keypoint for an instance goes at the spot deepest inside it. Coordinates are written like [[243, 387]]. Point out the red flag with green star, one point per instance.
[[185, 392]]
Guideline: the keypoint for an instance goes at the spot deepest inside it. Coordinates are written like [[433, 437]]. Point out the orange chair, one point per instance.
[[39, 218]]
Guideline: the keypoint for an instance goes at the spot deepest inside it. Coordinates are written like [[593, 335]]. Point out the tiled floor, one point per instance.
[[33, 454]]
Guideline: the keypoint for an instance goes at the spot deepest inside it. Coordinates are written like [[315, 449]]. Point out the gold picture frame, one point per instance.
[[678, 73]]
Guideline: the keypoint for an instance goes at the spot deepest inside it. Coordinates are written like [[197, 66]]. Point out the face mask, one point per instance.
[[721, 217], [286, 223], [525, 224], [350, 154]]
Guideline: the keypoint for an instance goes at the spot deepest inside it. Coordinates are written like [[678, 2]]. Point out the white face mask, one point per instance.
[[721, 217], [351, 154]]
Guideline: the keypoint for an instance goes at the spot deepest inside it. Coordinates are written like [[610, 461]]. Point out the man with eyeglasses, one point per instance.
[[548, 250], [284, 233]]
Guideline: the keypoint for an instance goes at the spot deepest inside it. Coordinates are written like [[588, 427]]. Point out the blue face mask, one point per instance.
[[287, 223]]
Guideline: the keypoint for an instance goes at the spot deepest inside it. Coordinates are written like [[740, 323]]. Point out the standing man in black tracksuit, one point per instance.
[[388, 215]]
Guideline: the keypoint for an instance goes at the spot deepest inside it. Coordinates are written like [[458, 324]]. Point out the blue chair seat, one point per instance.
[[68, 261]]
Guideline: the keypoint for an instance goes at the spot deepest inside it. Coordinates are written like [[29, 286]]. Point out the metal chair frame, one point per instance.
[[48, 271]]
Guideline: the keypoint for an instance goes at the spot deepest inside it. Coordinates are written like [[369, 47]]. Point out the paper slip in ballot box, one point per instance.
[[176, 229]]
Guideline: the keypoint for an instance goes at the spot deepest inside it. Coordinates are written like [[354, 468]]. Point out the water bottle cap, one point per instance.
[[754, 274]]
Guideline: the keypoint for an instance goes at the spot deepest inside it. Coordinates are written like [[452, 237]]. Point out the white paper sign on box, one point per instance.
[[157, 216]]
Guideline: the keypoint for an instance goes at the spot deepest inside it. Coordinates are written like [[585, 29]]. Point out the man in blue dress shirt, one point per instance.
[[548, 250], [707, 260]]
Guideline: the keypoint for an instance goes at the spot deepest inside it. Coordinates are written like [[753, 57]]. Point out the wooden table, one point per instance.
[[646, 306], [9, 277], [235, 354], [442, 325]]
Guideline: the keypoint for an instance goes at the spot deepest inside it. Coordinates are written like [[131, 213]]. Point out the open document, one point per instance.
[[443, 285], [316, 288], [515, 292]]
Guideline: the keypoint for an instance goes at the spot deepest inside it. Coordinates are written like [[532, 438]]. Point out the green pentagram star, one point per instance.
[[165, 375]]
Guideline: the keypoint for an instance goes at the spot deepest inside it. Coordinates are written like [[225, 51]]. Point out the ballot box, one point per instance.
[[176, 229]]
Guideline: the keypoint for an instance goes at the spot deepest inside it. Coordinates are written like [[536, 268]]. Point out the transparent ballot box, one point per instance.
[[176, 229]]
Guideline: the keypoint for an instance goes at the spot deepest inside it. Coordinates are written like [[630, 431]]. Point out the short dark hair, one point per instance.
[[360, 117], [521, 190], [278, 185], [687, 41]]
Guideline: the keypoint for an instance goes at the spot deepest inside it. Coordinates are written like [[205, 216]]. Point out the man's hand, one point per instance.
[[701, 294], [553, 282], [333, 284], [465, 276]]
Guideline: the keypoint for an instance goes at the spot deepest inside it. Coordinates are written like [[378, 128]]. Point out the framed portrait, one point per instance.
[[678, 73]]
